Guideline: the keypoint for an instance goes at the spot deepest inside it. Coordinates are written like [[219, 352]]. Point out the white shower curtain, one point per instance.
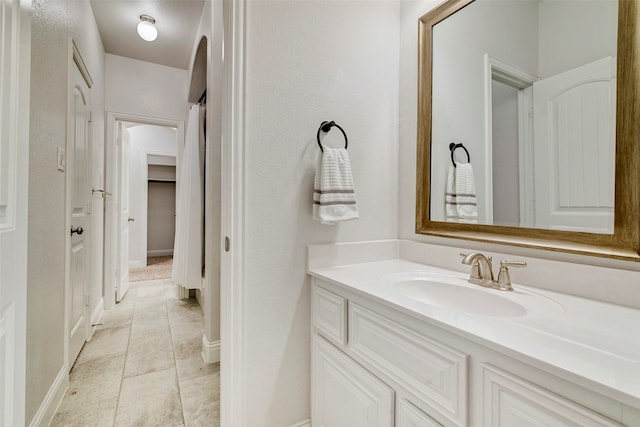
[[188, 244]]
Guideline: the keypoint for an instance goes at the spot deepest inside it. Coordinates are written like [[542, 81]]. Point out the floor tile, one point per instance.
[[183, 332], [149, 354], [143, 327], [201, 400], [150, 400], [183, 306], [94, 381], [152, 307], [101, 414], [129, 299], [187, 348], [195, 366], [151, 291], [105, 341], [117, 316]]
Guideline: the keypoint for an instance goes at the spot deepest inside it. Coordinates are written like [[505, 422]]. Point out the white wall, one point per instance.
[[410, 12], [507, 31], [144, 140], [54, 21], [571, 36], [143, 88], [309, 61]]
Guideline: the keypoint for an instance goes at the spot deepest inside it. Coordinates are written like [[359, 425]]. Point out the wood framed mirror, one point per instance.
[[619, 237]]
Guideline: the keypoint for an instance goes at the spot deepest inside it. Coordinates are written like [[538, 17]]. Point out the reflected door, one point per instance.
[[574, 128]]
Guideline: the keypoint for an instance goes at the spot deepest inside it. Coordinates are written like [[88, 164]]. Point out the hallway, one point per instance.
[[143, 366]]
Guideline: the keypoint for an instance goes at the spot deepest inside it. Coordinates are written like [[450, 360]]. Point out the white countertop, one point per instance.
[[593, 343]]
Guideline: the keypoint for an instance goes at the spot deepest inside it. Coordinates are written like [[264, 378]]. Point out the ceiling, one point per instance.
[[177, 22]]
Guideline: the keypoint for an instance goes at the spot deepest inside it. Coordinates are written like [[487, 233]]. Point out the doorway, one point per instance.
[[508, 142], [152, 141]]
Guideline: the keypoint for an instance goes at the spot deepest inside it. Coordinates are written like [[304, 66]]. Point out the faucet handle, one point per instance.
[[505, 263], [504, 278]]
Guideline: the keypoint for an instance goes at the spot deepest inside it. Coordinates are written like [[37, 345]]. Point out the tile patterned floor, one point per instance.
[[143, 366]]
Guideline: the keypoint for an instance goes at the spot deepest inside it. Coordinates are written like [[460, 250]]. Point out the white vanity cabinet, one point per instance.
[[374, 365], [347, 394]]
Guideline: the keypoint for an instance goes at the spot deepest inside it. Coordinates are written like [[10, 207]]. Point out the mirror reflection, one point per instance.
[[524, 93]]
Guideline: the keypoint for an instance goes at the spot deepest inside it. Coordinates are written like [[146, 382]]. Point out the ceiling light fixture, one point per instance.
[[147, 28]]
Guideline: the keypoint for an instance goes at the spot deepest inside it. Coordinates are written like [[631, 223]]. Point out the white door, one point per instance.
[[346, 395], [574, 145], [122, 209], [15, 53], [79, 195]]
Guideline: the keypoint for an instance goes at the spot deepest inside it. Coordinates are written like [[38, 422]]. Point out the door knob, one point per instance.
[[78, 230], [131, 219]]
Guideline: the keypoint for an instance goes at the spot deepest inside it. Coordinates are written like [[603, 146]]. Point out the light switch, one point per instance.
[[60, 159]]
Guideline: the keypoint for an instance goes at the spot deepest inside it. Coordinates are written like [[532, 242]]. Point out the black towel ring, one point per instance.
[[453, 147], [326, 127]]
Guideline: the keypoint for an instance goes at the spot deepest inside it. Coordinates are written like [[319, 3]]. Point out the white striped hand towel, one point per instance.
[[333, 191], [460, 199], [450, 206], [466, 193]]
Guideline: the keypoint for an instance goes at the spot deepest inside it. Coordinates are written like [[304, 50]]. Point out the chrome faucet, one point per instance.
[[482, 271]]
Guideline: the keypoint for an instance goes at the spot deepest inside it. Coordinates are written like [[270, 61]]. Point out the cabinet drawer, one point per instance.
[[511, 401], [329, 315], [434, 373]]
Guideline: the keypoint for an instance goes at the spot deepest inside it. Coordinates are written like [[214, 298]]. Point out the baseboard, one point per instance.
[[52, 400], [210, 350], [303, 423], [160, 252], [181, 292], [96, 316], [137, 264]]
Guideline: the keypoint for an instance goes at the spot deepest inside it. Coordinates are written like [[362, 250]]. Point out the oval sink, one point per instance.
[[459, 298]]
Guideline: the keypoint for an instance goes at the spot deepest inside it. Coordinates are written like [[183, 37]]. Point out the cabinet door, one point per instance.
[[410, 416], [511, 401], [344, 394]]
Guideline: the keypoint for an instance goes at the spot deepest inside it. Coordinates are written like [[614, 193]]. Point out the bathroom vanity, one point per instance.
[[397, 343]]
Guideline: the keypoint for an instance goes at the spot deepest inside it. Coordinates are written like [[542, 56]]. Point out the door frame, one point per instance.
[[233, 333], [498, 70], [14, 223], [75, 60], [110, 232]]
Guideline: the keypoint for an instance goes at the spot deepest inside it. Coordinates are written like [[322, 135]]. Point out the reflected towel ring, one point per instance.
[[326, 127], [453, 147]]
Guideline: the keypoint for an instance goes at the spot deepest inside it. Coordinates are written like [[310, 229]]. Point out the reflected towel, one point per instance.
[[460, 198], [450, 206], [333, 191]]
